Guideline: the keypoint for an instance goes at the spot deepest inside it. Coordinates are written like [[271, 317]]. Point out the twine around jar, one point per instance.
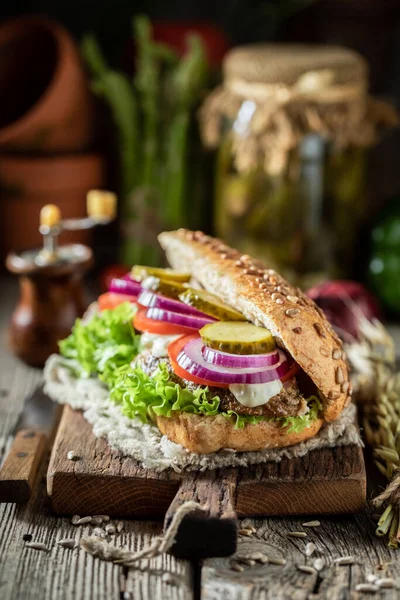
[[270, 118]]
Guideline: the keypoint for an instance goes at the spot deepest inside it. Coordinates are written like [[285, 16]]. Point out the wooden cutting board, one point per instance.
[[102, 481]]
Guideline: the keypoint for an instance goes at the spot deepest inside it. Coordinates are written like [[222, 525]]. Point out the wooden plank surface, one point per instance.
[[19, 471], [353, 535], [72, 575], [326, 481], [102, 480]]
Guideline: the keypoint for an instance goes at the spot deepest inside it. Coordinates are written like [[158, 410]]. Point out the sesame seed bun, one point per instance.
[[203, 434], [266, 299]]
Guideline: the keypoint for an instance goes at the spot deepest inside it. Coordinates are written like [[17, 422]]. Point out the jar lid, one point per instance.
[[276, 94], [286, 63]]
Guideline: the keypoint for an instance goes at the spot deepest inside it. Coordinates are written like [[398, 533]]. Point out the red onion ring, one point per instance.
[[167, 316], [150, 299], [240, 361], [125, 286], [191, 359]]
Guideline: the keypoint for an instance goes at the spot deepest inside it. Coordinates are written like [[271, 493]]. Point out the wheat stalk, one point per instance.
[[377, 389]]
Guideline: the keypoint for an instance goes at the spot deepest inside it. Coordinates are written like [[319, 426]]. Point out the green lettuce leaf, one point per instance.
[[103, 344], [145, 397]]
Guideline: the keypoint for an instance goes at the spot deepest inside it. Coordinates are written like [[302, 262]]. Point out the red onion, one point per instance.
[[240, 361], [125, 286], [191, 359], [167, 316], [343, 303], [150, 299]]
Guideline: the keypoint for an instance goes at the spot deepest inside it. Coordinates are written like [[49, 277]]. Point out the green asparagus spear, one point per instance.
[[184, 86], [116, 89]]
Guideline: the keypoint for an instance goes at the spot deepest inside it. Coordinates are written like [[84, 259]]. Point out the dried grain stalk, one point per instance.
[[377, 387]]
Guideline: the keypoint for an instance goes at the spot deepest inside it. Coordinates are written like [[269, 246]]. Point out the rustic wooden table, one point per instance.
[[72, 574]]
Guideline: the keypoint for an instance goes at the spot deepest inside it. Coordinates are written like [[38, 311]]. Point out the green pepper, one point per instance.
[[384, 263]]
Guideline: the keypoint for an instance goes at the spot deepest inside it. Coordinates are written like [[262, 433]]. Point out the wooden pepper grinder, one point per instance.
[[51, 292]]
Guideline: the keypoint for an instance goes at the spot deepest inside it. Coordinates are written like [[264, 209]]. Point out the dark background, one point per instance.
[[371, 27]]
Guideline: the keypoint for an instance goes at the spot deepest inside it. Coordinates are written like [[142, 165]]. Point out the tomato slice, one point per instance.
[[291, 373], [143, 323], [173, 351], [111, 300]]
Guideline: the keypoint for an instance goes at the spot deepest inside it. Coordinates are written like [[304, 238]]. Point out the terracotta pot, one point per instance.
[[26, 184], [45, 104]]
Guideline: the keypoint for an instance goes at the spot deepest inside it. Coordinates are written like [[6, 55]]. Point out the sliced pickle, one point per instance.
[[171, 289], [210, 305], [237, 337], [140, 272]]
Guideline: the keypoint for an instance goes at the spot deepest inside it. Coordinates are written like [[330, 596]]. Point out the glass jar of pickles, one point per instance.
[[292, 125]]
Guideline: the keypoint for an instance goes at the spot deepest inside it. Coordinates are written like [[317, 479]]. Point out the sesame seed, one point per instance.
[[277, 297], [339, 377], [276, 561], [319, 329], [345, 386], [67, 543], [257, 556], [385, 582], [319, 564], [312, 524], [250, 271], [293, 299], [296, 534], [310, 549], [249, 562], [73, 456], [366, 587], [297, 330], [37, 546], [246, 532], [336, 354], [83, 521], [324, 351], [345, 560], [292, 312], [307, 569]]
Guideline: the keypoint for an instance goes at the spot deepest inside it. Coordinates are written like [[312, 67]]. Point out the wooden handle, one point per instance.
[[208, 532], [18, 473]]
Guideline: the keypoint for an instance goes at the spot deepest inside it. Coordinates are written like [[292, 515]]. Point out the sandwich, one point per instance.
[[217, 351]]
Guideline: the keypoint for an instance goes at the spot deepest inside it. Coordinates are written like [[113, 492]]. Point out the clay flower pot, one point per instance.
[[45, 104], [26, 184]]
